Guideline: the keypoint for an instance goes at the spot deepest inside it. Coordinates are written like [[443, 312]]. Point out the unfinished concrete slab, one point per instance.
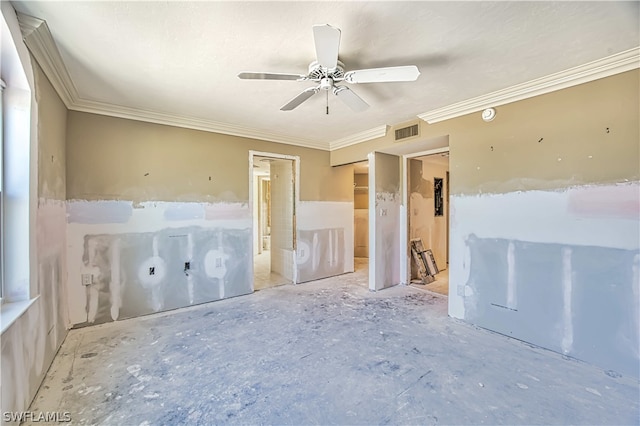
[[327, 352]]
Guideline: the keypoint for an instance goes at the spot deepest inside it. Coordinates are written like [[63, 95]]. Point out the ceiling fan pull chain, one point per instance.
[[327, 101]]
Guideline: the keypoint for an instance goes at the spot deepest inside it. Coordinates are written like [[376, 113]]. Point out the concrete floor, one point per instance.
[[327, 352]]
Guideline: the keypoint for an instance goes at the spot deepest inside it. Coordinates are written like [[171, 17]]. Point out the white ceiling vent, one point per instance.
[[407, 132]]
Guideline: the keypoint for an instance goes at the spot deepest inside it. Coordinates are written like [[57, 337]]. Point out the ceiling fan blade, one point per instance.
[[352, 100], [306, 94], [327, 40], [270, 76], [383, 75]]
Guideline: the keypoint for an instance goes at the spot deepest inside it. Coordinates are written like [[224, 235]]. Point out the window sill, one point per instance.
[[11, 311]]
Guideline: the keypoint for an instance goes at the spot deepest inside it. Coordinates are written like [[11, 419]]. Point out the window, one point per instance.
[[2, 86], [15, 160]]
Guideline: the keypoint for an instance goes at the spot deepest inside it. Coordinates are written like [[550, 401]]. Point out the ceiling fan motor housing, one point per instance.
[[317, 72]]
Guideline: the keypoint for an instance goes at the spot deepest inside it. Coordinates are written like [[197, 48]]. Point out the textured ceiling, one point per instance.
[[182, 58]]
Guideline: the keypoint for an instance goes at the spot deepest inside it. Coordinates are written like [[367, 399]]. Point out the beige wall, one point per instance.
[[575, 148], [112, 158], [361, 215], [52, 128], [361, 192]]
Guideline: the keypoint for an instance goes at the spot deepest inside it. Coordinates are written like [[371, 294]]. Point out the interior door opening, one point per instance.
[[273, 204], [428, 218], [361, 215], [398, 209]]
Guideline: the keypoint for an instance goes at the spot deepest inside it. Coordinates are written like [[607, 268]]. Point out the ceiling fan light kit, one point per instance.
[[327, 70]]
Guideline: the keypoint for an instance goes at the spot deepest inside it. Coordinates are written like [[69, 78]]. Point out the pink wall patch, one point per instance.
[[620, 201]]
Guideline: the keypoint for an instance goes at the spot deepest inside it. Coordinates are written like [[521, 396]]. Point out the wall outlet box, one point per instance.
[[87, 279]]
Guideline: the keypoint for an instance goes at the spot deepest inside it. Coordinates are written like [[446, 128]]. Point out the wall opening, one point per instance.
[[273, 183], [390, 254], [361, 215], [427, 217]]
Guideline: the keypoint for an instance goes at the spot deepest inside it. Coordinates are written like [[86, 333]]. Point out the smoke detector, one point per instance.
[[488, 114]]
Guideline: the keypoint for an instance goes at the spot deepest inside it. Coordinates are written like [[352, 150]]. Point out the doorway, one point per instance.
[[361, 215], [428, 214], [390, 256], [273, 203]]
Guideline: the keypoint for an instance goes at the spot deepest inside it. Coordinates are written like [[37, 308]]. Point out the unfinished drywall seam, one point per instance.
[[567, 281], [511, 277]]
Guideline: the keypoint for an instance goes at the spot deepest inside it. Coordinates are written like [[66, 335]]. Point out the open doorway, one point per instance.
[[273, 181], [390, 256], [361, 215], [428, 216]]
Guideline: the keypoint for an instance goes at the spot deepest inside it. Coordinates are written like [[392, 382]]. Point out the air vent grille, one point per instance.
[[407, 132]]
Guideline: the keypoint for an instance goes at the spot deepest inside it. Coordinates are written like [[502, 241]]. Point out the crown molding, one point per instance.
[[37, 37], [156, 117], [376, 132], [605, 67]]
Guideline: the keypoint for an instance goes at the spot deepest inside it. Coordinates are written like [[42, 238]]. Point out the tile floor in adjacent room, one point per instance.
[[326, 352], [263, 276], [440, 285]]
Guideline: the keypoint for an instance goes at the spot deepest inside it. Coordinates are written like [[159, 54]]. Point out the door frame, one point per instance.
[[296, 201], [405, 263]]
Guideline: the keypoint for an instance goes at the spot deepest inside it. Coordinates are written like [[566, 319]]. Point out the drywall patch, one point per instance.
[[138, 266], [320, 254], [529, 265], [575, 300], [150, 276], [320, 221], [184, 211], [99, 212], [387, 258], [227, 211], [547, 217]]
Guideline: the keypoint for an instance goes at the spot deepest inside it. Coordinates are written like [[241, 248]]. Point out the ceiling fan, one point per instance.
[[327, 70]]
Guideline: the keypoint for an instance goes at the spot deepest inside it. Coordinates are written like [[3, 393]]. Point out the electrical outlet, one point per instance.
[[218, 262], [187, 266], [87, 279], [152, 270]]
